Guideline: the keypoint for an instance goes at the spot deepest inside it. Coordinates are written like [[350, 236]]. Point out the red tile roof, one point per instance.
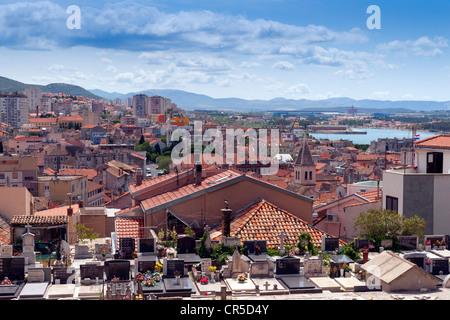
[[265, 221], [129, 228], [189, 189], [441, 141], [5, 231]]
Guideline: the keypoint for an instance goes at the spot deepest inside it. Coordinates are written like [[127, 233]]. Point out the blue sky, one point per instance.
[[314, 49]]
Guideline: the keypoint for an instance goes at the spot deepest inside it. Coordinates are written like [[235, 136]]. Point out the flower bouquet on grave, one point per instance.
[[139, 276], [6, 282], [257, 250], [204, 279], [242, 277], [161, 250], [156, 276], [158, 267], [171, 252], [148, 281], [177, 275], [115, 279]]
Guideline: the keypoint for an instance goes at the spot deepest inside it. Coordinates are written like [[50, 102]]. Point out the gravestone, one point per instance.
[[329, 244], [256, 250], [38, 282], [288, 274], [92, 271], [13, 268], [127, 246], [103, 250], [82, 251], [439, 266], [313, 266], [36, 275], [6, 250], [235, 266], [205, 263], [146, 246], [337, 263], [117, 268], [185, 245], [361, 243], [281, 248], [145, 263], [172, 284], [62, 274], [262, 269], [28, 247], [408, 242], [287, 265], [186, 250], [230, 241], [417, 258], [172, 265]]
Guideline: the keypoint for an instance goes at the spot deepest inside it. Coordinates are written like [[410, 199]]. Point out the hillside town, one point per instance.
[[93, 207]]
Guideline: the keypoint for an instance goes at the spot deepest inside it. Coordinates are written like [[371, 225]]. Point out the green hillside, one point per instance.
[[9, 85]]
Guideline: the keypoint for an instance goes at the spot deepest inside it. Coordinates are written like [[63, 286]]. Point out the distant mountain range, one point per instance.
[[193, 101], [9, 85]]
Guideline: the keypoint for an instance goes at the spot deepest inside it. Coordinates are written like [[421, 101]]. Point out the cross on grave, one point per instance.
[[282, 236], [266, 285]]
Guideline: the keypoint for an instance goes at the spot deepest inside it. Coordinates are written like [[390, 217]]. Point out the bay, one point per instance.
[[372, 134]]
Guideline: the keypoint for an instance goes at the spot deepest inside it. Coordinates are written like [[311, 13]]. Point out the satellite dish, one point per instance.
[[341, 191]]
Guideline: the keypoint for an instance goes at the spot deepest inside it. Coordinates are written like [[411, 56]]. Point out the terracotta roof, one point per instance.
[[89, 173], [58, 211], [189, 189], [265, 221], [39, 220], [441, 141], [129, 228], [370, 195], [5, 231]]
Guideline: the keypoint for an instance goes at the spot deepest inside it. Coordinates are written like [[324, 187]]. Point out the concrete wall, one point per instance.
[[15, 201], [424, 195], [351, 213]]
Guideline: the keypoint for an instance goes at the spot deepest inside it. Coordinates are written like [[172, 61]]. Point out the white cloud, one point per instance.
[[381, 94], [283, 65], [297, 91], [423, 46]]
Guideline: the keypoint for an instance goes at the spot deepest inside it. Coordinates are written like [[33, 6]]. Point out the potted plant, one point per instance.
[[177, 275], [443, 245], [171, 252], [212, 270], [242, 277], [428, 246], [204, 279], [427, 264]]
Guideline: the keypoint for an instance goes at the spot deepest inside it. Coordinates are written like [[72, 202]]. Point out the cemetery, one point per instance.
[[152, 268]]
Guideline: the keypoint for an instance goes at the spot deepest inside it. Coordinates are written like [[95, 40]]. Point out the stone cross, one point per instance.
[[266, 285], [282, 236]]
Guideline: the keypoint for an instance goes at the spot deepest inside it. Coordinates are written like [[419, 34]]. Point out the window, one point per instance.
[[15, 175], [306, 175], [435, 162], [391, 203]]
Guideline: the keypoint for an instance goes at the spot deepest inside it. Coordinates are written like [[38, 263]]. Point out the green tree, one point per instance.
[[84, 233], [386, 224]]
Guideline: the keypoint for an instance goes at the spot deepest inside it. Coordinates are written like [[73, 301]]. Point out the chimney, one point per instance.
[[226, 220], [198, 174], [138, 176]]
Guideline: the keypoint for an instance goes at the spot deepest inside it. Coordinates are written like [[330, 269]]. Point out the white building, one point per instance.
[[34, 96], [423, 189]]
